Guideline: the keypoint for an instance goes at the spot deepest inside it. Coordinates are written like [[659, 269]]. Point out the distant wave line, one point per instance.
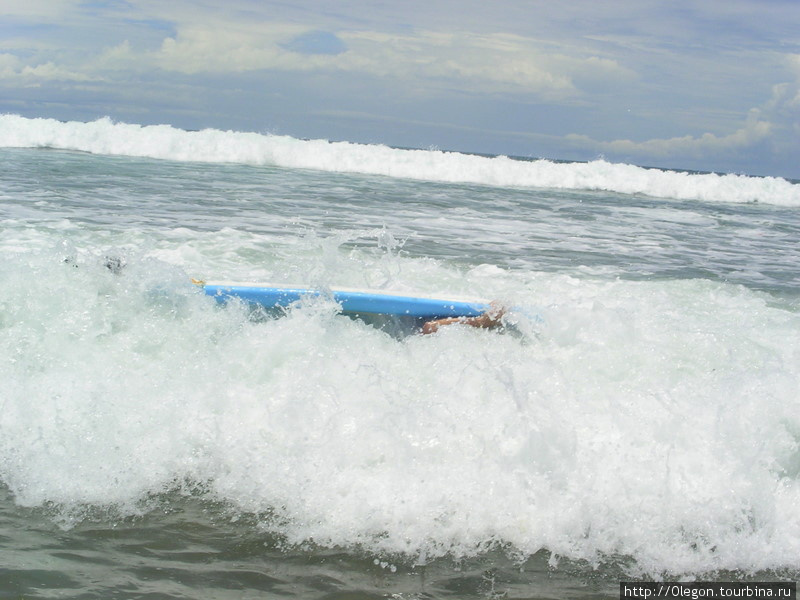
[[107, 137]]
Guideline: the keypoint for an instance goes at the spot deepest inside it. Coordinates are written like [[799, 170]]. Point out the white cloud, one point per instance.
[[9, 64], [785, 99], [230, 48], [463, 60], [787, 95], [52, 72], [242, 38], [754, 131], [12, 68], [771, 121], [117, 57]]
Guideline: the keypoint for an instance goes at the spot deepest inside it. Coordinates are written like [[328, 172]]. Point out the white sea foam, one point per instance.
[[165, 142], [655, 420]]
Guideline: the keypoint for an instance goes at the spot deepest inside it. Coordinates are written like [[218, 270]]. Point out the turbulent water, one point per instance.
[[640, 420]]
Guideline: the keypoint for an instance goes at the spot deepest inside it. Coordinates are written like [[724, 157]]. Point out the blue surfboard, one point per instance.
[[352, 301]]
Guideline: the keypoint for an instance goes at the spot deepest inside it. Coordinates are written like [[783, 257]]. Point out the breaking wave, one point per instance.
[[104, 136]]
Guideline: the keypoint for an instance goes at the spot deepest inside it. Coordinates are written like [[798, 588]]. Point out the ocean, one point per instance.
[[639, 418]]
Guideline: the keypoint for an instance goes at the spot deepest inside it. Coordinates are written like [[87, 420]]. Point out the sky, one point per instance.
[[708, 85]]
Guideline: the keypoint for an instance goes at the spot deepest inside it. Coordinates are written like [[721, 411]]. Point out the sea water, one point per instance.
[[641, 419]]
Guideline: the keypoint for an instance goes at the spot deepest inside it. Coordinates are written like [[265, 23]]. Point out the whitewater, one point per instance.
[[640, 419], [163, 141]]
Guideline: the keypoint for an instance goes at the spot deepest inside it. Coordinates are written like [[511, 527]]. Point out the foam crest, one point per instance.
[[165, 142]]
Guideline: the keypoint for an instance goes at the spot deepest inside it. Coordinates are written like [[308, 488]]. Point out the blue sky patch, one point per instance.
[[316, 42]]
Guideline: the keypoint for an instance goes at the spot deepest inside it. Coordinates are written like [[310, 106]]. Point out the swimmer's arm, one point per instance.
[[490, 319]]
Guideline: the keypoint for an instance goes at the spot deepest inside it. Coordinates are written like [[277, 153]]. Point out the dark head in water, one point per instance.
[[114, 264]]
